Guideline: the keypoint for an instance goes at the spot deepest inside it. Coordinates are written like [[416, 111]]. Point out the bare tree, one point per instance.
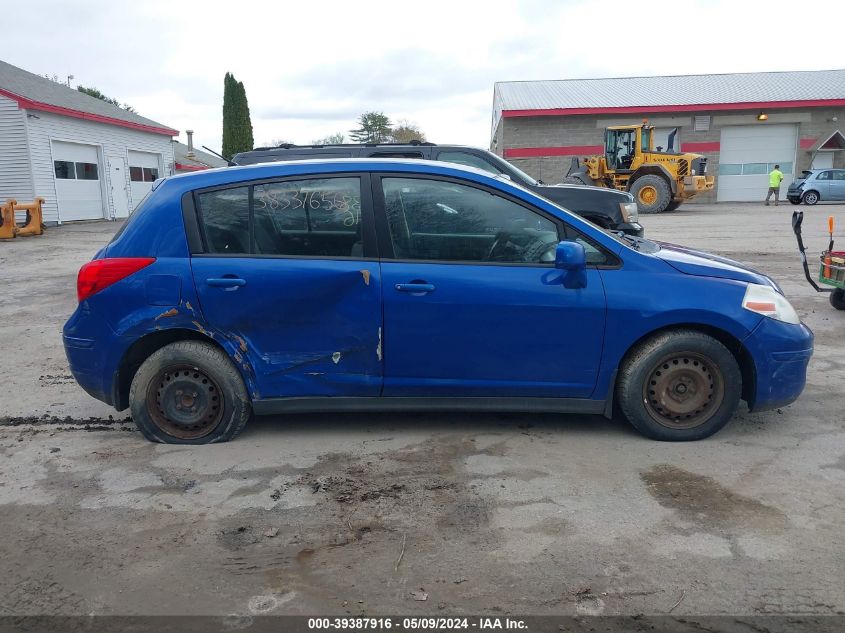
[[405, 131], [331, 139]]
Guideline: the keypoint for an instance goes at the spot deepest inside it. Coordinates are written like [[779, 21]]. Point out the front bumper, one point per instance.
[[781, 352]]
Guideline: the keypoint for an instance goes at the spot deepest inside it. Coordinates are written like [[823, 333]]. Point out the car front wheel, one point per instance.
[[679, 385], [189, 393], [811, 197]]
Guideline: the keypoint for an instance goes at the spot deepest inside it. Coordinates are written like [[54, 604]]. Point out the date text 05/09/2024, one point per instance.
[[417, 624]]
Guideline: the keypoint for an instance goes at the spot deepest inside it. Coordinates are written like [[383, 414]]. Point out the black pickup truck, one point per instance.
[[608, 208]]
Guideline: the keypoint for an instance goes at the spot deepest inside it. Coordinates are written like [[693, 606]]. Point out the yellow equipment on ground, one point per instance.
[[7, 220], [33, 225], [659, 180]]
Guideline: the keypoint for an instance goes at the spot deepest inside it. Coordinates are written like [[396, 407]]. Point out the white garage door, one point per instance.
[[747, 154], [143, 172], [78, 172]]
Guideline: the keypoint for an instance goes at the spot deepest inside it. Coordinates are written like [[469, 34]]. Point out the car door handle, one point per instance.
[[225, 282], [415, 287]]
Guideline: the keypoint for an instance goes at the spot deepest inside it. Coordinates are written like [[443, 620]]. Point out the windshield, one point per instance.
[[509, 170]]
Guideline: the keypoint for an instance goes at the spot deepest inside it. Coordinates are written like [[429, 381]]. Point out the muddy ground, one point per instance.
[[418, 513]]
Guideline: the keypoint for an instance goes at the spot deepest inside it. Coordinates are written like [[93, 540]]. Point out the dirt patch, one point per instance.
[[703, 501], [52, 420]]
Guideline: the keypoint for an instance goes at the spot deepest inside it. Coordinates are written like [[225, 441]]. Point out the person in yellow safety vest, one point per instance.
[[775, 178]]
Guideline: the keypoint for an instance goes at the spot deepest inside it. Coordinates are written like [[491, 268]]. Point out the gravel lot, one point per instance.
[[531, 514]]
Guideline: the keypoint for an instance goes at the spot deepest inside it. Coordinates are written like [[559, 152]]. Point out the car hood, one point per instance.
[[693, 262]]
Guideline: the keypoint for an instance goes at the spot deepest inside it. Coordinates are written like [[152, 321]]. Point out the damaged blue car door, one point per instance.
[[289, 271]]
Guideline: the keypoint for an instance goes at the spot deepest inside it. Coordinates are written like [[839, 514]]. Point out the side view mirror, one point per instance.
[[570, 256]]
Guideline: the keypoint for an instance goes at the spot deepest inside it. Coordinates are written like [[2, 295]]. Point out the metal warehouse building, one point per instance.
[[743, 123]]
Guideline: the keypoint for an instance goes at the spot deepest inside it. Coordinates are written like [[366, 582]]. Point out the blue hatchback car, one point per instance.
[[340, 285]]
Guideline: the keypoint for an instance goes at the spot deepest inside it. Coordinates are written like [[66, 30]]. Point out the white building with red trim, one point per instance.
[[87, 158], [744, 123]]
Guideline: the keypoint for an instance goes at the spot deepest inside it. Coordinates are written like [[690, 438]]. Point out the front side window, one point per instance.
[[317, 217], [465, 158], [225, 220], [446, 221]]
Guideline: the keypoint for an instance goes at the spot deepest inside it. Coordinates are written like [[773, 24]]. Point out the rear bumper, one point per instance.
[[781, 352], [85, 361]]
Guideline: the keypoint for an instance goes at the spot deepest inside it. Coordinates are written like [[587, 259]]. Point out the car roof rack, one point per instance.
[[414, 143]]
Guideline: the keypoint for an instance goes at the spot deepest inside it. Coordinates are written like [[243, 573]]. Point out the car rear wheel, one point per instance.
[[811, 197], [652, 193], [189, 393], [680, 385]]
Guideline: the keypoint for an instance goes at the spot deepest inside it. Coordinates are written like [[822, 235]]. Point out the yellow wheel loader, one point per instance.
[[659, 179]]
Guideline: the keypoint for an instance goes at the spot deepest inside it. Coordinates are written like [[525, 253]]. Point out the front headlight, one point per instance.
[[770, 303], [630, 211]]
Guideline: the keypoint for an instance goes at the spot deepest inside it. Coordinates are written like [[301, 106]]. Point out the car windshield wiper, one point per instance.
[[633, 241]]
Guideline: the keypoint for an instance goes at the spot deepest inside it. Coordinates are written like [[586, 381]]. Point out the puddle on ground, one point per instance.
[[703, 501]]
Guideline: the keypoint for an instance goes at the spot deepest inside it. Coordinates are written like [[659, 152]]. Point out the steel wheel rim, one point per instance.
[[811, 198], [185, 402], [683, 390], [647, 195]]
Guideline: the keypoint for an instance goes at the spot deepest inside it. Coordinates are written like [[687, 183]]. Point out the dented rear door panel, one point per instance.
[[310, 327]]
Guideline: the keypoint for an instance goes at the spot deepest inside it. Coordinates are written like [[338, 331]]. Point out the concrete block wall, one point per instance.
[[552, 131]]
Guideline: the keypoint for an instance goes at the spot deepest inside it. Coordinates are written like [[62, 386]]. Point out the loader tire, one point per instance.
[[673, 205], [651, 193]]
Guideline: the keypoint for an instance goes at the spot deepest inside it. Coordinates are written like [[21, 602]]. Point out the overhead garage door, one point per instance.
[[143, 172], [747, 154], [77, 171]]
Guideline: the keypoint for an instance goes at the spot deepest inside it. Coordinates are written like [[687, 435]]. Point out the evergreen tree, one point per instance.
[[374, 127], [237, 126]]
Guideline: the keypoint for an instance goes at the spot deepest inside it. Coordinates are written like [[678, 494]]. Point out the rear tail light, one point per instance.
[[102, 273]]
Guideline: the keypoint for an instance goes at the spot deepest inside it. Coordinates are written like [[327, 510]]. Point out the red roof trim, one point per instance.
[[185, 167], [711, 146], [696, 107], [568, 150], [807, 143], [29, 104]]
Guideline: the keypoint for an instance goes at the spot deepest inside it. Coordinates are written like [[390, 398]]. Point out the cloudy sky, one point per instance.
[[310, 68]]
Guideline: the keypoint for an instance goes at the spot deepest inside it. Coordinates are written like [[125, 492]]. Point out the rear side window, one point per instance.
[[225, 220], [319, 217]]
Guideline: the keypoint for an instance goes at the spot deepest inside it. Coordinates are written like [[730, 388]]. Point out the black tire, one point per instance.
[[666, 362], [189, 392], [837, 299], [811, 198], [795, 201], [651, 193], [673, 205]]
